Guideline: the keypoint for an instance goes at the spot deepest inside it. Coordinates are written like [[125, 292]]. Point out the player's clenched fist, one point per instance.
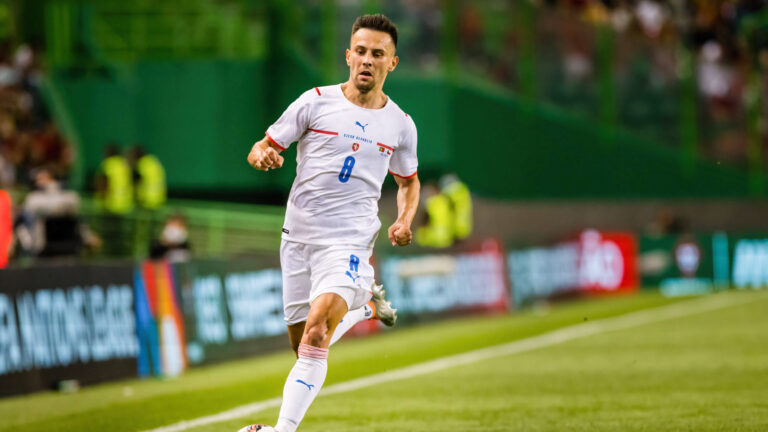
[[263, 156], [400, 234]]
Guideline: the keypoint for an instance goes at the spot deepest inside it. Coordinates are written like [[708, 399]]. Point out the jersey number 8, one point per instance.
[[346, 170]]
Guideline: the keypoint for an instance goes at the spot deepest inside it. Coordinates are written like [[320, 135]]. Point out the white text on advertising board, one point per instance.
[[254, 306], [602, 263], [750, 264], [57, 327], [443, 282], [542, 272]]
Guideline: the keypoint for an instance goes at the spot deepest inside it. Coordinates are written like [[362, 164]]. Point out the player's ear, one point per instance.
[[347, 55], [393, 65]]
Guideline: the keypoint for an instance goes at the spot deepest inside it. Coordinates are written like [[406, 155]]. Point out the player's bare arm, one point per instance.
[[265, 155], [407, 202]]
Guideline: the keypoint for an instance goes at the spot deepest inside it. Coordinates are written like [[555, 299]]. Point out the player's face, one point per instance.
[[371, 56]]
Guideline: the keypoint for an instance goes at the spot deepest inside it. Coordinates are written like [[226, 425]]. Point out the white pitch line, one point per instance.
[[622, 322]]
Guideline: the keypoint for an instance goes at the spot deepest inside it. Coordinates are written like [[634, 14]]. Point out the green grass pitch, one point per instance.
[[702, 372]]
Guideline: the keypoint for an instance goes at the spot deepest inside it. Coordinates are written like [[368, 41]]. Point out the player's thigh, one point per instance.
[[296, 281], [342, 270]]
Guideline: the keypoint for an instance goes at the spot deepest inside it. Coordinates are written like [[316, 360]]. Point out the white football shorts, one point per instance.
[[311, 270]]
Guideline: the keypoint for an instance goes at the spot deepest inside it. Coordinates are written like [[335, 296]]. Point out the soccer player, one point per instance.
[[349, 136]]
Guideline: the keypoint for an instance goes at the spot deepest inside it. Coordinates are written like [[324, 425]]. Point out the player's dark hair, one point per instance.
[[378, 22]]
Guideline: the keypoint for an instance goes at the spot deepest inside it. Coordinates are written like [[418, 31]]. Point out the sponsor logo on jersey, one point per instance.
[[355, 146], [358, 138], [285, 230], [357, 123]]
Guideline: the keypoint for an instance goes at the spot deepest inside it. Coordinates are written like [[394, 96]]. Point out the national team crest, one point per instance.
[[355, 146], [385, 150]]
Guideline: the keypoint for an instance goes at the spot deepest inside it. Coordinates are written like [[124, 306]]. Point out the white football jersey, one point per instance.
[[343, 156]]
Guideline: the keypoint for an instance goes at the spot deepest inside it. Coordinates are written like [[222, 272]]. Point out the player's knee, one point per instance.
[[316, 334]]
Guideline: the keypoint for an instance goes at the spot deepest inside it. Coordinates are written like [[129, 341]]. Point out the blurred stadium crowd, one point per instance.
[[727, 41], [647, 50], [29, 138], [36, 162]]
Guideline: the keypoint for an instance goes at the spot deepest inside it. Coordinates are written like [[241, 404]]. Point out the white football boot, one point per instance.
[[384, 311]]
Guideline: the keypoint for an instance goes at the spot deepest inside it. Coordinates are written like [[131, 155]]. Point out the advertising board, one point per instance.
[[750, 261], [65, 323], [678, 264], [593, 262], [435, 283]]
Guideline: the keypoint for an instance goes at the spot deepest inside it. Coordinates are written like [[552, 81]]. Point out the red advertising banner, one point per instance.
[[6, 222], [607, 262]]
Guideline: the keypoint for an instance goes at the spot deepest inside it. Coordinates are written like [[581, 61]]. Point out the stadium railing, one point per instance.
[[216, 230]]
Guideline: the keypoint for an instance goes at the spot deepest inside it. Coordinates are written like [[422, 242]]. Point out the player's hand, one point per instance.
[[264, 158], [400, 234]]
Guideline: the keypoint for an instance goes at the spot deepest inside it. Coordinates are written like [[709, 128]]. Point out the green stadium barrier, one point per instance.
[[214, 229], [201, 118]]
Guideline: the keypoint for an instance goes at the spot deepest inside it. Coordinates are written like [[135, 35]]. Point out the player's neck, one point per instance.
[[373, 99]]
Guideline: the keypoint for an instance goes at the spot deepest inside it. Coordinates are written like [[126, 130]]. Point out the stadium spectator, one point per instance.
[[460, 199], [148, 178], [49, 223], [650, 44], [49, 149], [28, 138], [424, 16], [7, 169], [437, 230], [173, 243], [114, 197], [114, 182], [667, 222], [471, 33]]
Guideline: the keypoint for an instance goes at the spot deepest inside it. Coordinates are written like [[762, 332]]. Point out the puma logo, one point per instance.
[[357, 123], [309, 386], [354, 278]]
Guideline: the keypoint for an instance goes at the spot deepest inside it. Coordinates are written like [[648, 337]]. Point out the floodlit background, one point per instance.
[[612, 152]]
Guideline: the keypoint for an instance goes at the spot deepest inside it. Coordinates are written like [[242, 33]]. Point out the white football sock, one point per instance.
[[302, 385], [350, 319]]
